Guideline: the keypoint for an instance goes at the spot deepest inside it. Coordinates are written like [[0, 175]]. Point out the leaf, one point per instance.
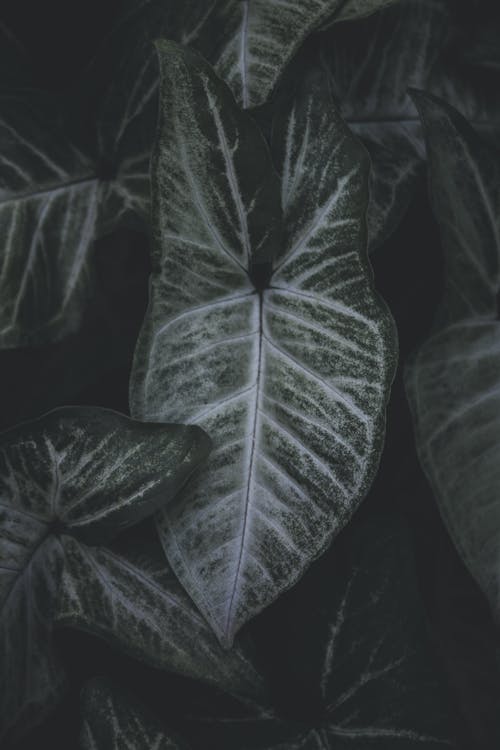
[[79, 471], [49, 199], [59, 192], [297, 429], [355, 658], [453, 381], [359, 647], [372, 64], [249, 42], [131, 598], [263, 35], [354, 9], [113, 720]]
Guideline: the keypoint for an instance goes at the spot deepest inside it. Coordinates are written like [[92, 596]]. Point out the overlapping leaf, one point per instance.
[[85, 472], [354, 654], [249, 42], [113, 721], [131, 598], [453, 382], [56, 197], [372, 64], [290, 380]]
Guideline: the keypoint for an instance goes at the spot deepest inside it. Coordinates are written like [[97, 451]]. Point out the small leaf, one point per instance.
[[453, 380], [113, 720], [372, 64], [291, 381], [132, 599], [76, 471], [49, 198]]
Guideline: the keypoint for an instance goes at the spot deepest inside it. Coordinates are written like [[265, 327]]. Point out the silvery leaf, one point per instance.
[[290, 377], [82, 471], [113, 720], [453, 381]]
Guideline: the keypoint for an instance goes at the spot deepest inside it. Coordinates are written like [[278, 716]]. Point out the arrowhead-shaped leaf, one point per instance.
[[291, 380], [132, 599], [89, 472], [453, 382], [372, 64], [113, 720]]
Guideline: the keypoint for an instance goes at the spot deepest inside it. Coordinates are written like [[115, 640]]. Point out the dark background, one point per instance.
[[92, 367]]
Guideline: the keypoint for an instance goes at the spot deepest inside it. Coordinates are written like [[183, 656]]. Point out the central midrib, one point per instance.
[[250, 469]]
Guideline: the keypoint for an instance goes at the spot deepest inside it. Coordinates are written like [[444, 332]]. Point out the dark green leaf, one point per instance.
[[372, 64], [453, 381], [76, 471], [133, 600], [290, 382], [114, 721]]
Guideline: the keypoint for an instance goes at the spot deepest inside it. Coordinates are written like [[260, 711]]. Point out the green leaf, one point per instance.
[[89, 472], [49, 197], [249, 42], [291, 381], [58, 193], [358, 644], [353, 655], [453, 380], [131, 598], [372, 64], [263, 35], [113, 720]]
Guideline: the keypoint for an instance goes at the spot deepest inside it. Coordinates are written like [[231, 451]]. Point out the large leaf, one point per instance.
[[290, 380], [453, 382], [89, 472], [353, 657], [372, 64], [128, 596], [113, 720]]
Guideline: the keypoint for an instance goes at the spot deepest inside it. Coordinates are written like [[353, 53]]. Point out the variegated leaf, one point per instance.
[[372, 64], [261, 36], [130, 597], [249, 42], [113, 720], [83, 471], [453, 382], [291, 377], [49, 197], [56, 198]]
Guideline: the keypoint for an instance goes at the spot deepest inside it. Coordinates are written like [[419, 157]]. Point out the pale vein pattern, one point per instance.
[[290, 383]]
